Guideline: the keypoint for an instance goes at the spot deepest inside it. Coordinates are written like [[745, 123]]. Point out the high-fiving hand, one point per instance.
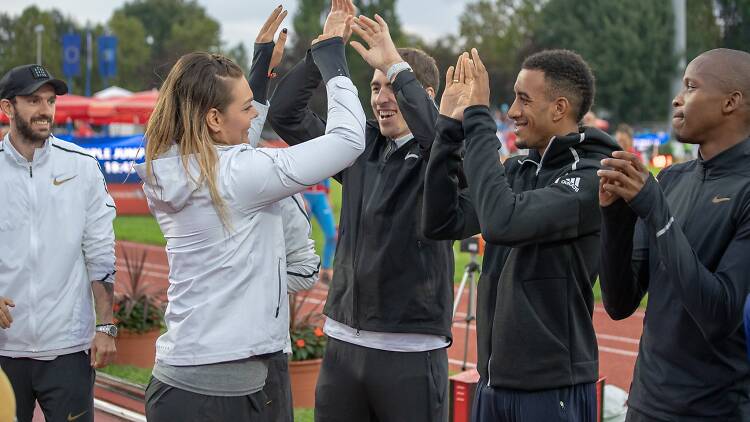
[[339, 21], [267, 32], [382, 53], [466, 84], [457, 90]]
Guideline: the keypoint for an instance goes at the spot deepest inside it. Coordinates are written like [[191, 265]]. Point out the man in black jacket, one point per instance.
[[686, 241], [538, 358], [389, 303]]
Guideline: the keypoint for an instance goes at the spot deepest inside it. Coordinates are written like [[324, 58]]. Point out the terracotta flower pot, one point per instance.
[[137, 349], [304, 377]]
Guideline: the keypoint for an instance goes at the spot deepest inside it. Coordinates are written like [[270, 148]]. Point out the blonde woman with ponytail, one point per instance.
[[214, 197]]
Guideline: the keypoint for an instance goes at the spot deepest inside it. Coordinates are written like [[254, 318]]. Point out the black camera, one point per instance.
[[474, 244]]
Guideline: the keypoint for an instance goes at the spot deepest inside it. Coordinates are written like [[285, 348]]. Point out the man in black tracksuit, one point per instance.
[[538, 358], [389, 302], [686, 241]]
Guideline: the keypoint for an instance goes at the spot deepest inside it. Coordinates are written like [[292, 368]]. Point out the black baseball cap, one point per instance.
[[26, 79]]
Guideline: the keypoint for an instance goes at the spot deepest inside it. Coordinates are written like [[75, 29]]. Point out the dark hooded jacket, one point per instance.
[[540, 217]]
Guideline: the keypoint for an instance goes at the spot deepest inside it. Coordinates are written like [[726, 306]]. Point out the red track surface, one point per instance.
[[618, 340]]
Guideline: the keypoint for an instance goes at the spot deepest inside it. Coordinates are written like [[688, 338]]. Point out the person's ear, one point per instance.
[[214, 120], [560, 107], [732, 102], [7, 107], [430, 92]]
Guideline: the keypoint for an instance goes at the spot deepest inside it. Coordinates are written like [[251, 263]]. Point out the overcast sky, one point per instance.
[[241, 19]]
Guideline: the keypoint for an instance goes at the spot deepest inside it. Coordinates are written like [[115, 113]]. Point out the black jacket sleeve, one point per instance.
[[447, 211], [624, 260], [258, 78], [418, 109], [555, 212], [289, 114], [713, 299]]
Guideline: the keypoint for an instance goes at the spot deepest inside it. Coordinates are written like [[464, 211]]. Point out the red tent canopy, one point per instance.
[[69, 106], [136, 109]]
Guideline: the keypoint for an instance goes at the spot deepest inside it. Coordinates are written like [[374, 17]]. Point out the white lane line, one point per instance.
[[628, 340], [617, 351], [118, 411]]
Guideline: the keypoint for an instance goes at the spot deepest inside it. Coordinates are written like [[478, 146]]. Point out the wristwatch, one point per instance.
[[108, 329], [395, 69]]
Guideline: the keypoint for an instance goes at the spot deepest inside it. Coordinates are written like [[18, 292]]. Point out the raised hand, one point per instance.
[[457, 90], [339, 21], [479, 80], [266, 34], [382, 53], [269, 28]]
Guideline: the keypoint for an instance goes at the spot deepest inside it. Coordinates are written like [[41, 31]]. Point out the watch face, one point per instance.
[[112, 330]]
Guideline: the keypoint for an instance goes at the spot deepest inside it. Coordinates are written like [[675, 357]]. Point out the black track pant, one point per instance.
[[370, 385], [165, 403], [64, 387]]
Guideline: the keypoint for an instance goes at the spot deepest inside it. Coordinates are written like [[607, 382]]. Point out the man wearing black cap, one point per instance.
[[56, 248]]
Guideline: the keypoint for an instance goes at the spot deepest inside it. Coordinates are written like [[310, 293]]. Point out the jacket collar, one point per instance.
[[726, 162], [559, 148], [40, 154]]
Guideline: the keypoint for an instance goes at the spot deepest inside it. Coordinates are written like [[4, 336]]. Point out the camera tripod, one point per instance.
[[470, 276]]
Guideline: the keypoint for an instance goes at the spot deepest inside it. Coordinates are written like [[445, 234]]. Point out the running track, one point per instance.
[[618, 340]]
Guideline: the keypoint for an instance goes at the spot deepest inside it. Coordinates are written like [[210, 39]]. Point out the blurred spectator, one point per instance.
[[624, 137]]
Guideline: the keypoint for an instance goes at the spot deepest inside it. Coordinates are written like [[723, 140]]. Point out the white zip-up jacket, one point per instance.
[[302, 263], [56, 238], [227, 292]]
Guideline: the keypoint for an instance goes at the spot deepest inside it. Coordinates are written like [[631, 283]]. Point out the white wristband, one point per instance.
[[396, 69]]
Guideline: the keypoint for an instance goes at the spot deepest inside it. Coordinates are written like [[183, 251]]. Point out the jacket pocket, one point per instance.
[[548, 310], [278, 299]]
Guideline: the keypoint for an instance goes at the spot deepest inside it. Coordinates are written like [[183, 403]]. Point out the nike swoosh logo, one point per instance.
[[60, 182], [717, 199], [411, 156], [72, 418]]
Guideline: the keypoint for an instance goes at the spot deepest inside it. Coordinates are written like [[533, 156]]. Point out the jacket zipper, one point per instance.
[[489, 371], [33, 243], [278, 302]]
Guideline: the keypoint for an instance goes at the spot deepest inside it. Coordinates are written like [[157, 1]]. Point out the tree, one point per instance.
[[735, 18], [501, 30], [176, 27], [133, 52], [627, 44], [703, 32]]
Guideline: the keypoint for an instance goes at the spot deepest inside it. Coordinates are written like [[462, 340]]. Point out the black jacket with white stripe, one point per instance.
[[540, 218], [685, 241]]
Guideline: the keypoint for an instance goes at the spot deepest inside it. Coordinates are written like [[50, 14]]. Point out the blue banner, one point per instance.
[[107, 54], [643, 141], [71, 46], [117, 155]]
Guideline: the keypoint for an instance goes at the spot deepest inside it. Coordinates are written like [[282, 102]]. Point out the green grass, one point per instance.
[[304, 415], [138, 228], [130, 373]]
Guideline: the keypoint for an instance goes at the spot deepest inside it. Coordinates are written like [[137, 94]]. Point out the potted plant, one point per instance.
[[139, 315], [308, 346]]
